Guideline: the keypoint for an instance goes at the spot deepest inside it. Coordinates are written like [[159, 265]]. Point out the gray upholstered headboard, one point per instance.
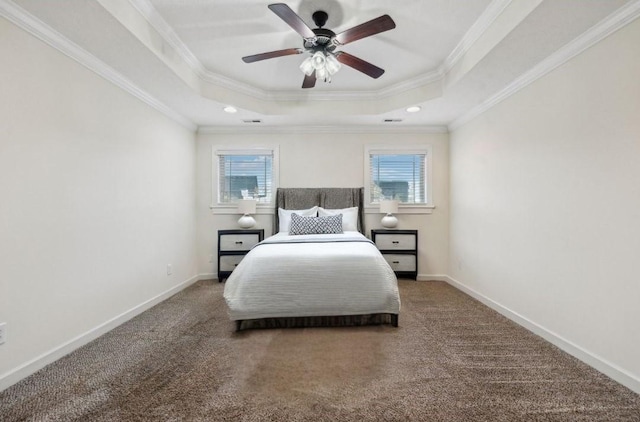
[[330, 198]]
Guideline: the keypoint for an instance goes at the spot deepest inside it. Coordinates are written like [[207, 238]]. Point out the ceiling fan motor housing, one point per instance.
[[323, 41], [324, 37]]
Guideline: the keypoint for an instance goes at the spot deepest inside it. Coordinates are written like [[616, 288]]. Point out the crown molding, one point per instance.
[[595, 34], [495, 8], [42, 31], [205, 130], [150, 13], [409, 84]]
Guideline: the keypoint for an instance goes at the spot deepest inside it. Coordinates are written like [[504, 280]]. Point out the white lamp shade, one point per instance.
[[247, 206], [388, 206]]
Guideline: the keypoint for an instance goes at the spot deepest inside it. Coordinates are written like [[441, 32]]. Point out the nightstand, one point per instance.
[[400, 249], [233, 245]]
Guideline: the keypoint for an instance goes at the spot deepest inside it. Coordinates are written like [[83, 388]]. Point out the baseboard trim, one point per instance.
[[432, 277], [9, 378], [611, 370], [208, 276]]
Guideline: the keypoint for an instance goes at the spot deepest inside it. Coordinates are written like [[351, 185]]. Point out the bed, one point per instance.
[[316, 279]]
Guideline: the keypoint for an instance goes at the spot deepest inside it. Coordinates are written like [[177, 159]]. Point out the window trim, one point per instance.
[[372, 207], [227, 208]]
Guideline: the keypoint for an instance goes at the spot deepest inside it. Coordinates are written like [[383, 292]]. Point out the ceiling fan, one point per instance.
[[321, 44]]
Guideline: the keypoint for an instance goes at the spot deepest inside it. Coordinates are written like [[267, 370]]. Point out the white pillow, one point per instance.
[[349, 217], [284, 217]]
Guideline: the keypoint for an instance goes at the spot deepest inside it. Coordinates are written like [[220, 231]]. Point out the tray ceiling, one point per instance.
[[448, 57]]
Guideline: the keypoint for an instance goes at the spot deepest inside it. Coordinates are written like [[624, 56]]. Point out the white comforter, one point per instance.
[[312, 275]]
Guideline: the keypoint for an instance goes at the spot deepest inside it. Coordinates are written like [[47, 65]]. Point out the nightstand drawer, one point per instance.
[[401, 262], [230, 262], [238, 241], [395, 241], [400, 249], [233, 245]]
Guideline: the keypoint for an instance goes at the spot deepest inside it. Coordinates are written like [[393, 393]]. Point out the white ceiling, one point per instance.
[[449, 57], [404, 53]]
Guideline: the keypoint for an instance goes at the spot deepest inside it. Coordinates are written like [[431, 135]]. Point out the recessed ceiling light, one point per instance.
[[230, 109], [414, 109]]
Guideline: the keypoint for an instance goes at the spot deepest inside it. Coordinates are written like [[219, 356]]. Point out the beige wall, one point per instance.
[[97, 196], [327, 160], [545, 205]]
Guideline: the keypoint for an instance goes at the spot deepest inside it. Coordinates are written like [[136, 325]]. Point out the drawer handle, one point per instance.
[[239, 242], [235, 265], [395, 262], [395, 242]]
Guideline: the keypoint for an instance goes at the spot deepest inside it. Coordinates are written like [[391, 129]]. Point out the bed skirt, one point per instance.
[[318, 321]]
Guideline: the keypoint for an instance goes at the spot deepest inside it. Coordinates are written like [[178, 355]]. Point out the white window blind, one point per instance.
[[245, 174], [398, 176]]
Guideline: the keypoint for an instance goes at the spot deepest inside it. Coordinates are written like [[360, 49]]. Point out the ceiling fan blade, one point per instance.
[[359, 64], [290, 17], [309, 81], [372, 27], [271, 55]]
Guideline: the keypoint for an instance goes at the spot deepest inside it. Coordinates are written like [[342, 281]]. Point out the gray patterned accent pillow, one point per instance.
[[315, 225]]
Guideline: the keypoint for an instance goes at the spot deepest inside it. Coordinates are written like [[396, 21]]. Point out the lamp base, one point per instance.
[[389, 221], [246, 221]]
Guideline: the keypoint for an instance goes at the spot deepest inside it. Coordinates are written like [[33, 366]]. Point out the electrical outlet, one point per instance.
[[3, 332], [169, 269]]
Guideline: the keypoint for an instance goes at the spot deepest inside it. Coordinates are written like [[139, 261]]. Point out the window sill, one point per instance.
[[233, 209], [406, 209]]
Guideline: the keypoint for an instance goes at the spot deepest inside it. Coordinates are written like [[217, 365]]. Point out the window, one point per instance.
[[245, 174], [398, 174]]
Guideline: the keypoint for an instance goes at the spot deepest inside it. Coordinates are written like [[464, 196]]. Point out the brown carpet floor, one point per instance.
[[451, 359]]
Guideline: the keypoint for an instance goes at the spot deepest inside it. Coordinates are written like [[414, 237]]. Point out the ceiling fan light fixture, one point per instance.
[[319, 60], [323, 63], [323, 74], [332, 64], [307, 66]]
